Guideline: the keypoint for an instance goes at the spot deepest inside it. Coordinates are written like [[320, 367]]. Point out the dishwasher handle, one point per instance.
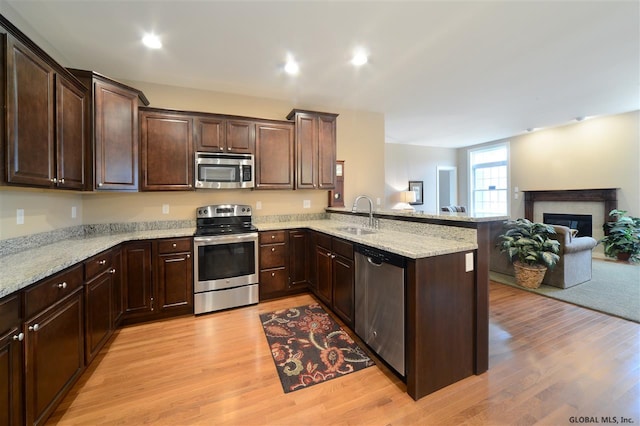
[[375, 262]]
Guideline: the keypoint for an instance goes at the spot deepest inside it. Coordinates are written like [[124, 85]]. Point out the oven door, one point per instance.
[[225, 261]]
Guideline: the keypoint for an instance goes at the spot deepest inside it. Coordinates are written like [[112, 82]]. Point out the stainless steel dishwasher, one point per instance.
[[380, 303]]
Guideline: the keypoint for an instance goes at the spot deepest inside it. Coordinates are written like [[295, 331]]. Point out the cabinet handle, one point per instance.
[[19, 337], [273, 249], [102, 262], [34, 327], [62, 285], [112, 271], [273, 274]]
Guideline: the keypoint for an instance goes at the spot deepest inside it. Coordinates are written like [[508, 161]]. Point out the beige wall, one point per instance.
[[412, 162], [360, 143], [602, 152]]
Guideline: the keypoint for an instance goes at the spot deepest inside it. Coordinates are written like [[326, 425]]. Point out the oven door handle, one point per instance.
[[225, 239]]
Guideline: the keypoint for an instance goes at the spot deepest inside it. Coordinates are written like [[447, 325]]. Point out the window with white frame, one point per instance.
[[489, 179]]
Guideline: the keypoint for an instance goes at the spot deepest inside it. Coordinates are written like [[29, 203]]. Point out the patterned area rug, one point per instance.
[[309, 347]]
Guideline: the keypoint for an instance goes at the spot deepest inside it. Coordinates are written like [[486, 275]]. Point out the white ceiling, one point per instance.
[[444, 73]]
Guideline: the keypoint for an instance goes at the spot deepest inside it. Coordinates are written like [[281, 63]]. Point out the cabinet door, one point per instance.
[[306, 151], [241, 136], [118, 306], [166, 145], [71, 147], [98, 313], [274, 156], [273, 282], [30, 120], [298, 260], [115, 138], [343, 288], [54, 342], [324, 277], [11, 353], [175, 282], [137, 284], [210, 134], [326, 152]]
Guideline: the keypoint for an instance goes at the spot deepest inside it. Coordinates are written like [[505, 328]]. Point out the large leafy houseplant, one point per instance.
[[623, 237], [531, 250]]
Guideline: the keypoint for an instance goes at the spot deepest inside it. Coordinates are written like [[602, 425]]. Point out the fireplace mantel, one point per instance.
[[609, 196]]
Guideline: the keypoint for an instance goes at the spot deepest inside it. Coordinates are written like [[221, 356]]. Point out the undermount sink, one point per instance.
[[356, 231]]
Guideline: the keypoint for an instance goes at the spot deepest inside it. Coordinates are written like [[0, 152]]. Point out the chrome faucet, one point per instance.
[[355, 207]]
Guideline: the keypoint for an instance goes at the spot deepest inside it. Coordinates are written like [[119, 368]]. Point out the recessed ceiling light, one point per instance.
[[359, 58], [291, 67], [152, 41]]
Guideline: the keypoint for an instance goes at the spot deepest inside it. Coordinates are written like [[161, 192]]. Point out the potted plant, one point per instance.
[[622, 240], [530, 249]]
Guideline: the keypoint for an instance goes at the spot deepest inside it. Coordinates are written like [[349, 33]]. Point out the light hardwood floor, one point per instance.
[[549, 361]]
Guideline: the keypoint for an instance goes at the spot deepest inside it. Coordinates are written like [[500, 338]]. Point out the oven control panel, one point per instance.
[[223, 210]]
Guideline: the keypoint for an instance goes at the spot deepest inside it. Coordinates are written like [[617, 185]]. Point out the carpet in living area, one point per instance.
[[309, 347], [614, 289]]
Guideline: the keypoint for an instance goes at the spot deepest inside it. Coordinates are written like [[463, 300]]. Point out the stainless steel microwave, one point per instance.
[[223, 170]]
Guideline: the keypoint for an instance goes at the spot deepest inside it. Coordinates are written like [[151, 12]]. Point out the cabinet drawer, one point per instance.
[[175, 245], [9, 313], [268, 237], [97, 264], [49, 291], [273, 280], [273, 255], [343, 248]]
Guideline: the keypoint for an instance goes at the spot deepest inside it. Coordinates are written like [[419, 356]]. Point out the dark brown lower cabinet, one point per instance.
[[173, 259], [118, 306], [11, 353], [99, 310], [334, 275], [283, 263], [137, 281], [54, 344]]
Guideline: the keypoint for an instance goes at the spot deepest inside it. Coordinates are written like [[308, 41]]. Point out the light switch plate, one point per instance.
[[306, 204], [165, 209], [74, 212], [258, 205], [468, 262]]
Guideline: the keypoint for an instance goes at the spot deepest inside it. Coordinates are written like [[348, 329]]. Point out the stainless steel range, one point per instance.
[[226, 258]]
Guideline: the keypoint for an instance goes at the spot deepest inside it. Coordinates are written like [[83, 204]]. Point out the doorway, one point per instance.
[[446, 186]]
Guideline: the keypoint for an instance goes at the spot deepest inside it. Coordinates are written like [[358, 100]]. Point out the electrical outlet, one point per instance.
[[74, 212], [468, 262], [258, 205], [378, 201], [165, 209], [306, 204], [20, 216]]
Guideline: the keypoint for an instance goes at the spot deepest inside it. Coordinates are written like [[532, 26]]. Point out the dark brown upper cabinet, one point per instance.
[[45, 126], [113, 111], [274, 156], [166, 150], [218, 133], [315, 149]]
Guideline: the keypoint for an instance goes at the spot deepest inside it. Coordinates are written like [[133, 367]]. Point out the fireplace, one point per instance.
[[581, 222]]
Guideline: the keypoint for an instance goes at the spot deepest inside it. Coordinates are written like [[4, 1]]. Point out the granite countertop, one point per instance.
[[418, 214], [27, 267]]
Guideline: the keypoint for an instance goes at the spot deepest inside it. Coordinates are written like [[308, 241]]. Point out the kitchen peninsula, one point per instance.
[[447, 298]]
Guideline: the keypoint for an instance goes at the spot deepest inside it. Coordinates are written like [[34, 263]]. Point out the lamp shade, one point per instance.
[[408, 196]]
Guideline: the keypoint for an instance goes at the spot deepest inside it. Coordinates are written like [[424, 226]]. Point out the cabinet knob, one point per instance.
[[273, 274], [34, 327], [112, 271], [100, 184], [54, 180], [188, 256], [273, 249], [328, 254], [19, 337], [62, 180], [333, 256], [62, 285], [102, 262], [174, 245], [273, 237]]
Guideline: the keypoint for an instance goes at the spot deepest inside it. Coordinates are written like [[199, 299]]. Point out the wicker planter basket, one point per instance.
[[529, 276]]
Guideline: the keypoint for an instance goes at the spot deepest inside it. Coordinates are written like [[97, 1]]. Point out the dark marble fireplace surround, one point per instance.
[[608, 196]]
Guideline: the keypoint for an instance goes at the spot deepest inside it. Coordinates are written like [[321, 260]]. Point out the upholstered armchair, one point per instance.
[[574, 266]]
